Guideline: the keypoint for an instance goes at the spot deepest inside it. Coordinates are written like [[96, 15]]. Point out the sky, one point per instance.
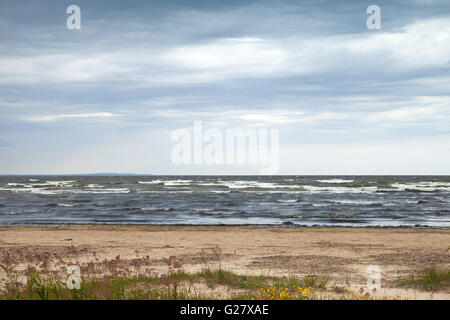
[[107, 97]]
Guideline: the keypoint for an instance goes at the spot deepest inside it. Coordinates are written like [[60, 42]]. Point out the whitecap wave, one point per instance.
[[400, 203], [151, 182], [94, 186], [335, 181], [156, 209], [255, 184], [19, 184], [422, 186], [104, 191], [212, 211], [59, 183], [315, 189], [321, 204], [31, 190], [177, 183], [357, 202], [165, 191]]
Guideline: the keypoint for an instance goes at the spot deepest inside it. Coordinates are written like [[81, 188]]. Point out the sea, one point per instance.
[[290, 201]]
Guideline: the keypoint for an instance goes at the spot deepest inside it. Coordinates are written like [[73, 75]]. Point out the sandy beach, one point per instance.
[[343, 254]]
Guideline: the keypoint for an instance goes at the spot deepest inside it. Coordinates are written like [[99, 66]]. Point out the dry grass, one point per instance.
[[36, 273]]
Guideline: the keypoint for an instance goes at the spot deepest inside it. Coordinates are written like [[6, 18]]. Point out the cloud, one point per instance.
[[431, 109], [57, 117], [424, 44], [51, 68], [420, 45], [231, 57], [359, 111], [311, 69]]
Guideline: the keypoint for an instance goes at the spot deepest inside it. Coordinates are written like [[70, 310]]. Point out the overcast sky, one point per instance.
[[106, 98]]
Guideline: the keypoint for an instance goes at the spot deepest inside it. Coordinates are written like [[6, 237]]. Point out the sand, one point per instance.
[[343, 254]]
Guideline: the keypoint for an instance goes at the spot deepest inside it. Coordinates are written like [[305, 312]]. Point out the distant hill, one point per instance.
[[110, 174]]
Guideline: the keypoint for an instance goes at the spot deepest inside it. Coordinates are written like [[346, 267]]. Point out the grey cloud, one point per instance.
[[310, 67]]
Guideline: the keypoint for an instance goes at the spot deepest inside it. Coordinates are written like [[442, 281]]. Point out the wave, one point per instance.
[[151, 182], [287, 200], [295, 216], [367, 202], [422, 186], [434, 184], [335, 181], [358, 202], [401, 202], [321, 204], [60, 205], [102, 191], [32, 185], [42, 184], [177, 182], [61, 183], [447, 200], [94, 185], [60, 191], [212, 211], [157, 209], [165, 191], [254, 184], [19, 184], [340, 215], [31, 190], [315, 189], [210, 184], [12, 213]]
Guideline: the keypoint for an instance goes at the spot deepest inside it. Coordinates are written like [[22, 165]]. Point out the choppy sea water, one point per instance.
[[353, 201]]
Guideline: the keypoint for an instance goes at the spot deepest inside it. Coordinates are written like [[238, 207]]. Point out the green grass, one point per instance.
[[233, 280], [196, 286], [39, 287], [171, 286], [427, 280], [338, 289]]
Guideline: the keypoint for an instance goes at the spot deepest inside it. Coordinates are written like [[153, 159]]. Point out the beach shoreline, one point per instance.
[[343, 254]]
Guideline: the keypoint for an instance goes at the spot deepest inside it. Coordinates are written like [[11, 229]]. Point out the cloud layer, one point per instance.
[[116, 88]]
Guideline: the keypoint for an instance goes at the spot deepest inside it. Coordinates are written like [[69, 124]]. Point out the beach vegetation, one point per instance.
[[430, 279], [33, 274]]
